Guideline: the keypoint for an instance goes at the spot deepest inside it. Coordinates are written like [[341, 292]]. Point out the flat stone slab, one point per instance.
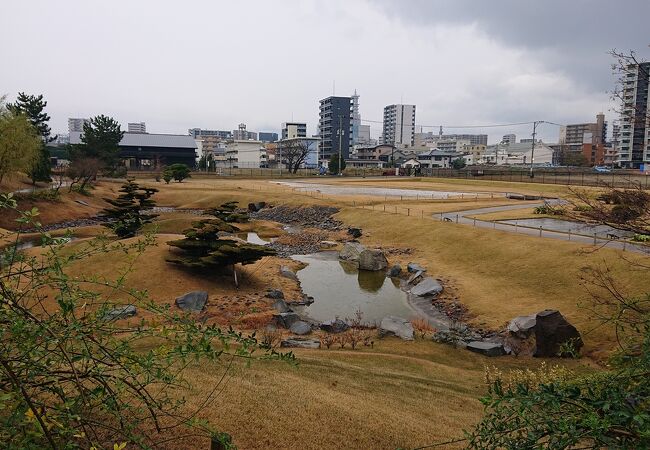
[[300, 343], [414, 267], [396, 326], [300, 328], [121, 312], [192, 301], [428, 286], [486, 348], [414, 277]]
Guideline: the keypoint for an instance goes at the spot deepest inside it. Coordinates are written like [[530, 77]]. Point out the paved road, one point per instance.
[[463, 217]]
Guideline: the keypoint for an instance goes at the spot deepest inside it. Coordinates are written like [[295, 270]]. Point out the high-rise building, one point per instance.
[[399, 125], [574, 135], [634, 144], [267, 136], [76, 124], [137, 127], [509, 138], [335, 126], [474, 139], [356, 118], [291, 130], [209, 139]]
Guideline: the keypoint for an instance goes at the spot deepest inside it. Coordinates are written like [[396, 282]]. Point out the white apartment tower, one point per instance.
[[399, 125], [634, 138], [137, 127], [76, 124]]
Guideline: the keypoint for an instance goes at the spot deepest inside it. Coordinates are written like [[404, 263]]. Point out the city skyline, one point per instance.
[[497, 65]]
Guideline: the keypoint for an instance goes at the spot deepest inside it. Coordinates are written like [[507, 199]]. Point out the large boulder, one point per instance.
[[486, 348], [300, 328], [285, 319], [300, 343], [552, 331], [281, 306], [334, 326], [121, 312], [372, 260], [354, 232], [254, 207], [351, 251], [428, 286], [286, 272], [192, 301], [275, 294], [541, 334], [396, 326]]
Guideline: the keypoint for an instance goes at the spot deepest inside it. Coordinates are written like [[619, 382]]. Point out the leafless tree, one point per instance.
[[293, 153], [82, 170]]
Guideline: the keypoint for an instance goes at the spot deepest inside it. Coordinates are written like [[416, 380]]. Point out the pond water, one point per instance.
[[567, 225], [375, 191], [254, 238], [340, 289]]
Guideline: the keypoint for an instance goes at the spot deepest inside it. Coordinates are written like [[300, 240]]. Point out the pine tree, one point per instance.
[[228, 213], [100, 139], [33, 107], [125, 217]]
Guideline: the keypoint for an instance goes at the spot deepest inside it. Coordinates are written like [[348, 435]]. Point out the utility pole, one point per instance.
[[280, 150], [340, 144], [532, 149]]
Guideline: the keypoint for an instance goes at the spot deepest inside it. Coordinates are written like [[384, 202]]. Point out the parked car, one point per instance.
[[602, 169]]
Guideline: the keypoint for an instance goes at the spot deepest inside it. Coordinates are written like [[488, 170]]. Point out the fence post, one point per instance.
[[384, 207], [456, 218], [441, 216], [594, 238], [624, 245], [408, 211], [474, 221], [569, 234], [540, 231]]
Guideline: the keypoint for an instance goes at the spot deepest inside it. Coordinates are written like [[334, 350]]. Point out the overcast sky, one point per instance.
[[213, 64]]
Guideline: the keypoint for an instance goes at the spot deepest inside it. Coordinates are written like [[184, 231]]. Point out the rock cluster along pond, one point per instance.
[[365, 259], [308, 216], [545, 334]]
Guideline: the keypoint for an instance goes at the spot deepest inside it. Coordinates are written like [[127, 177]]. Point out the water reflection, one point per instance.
[[339, 290]]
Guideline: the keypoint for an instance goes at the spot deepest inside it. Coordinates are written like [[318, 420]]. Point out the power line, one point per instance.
[[468, 126]]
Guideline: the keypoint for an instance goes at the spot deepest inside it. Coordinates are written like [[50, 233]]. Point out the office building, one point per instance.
[[291, 130], [136, 127], [334, 125], [634, 146], [209, 139], [508, 139], [399, 125], [246, 154], [574, 135], [429, 139], [267, 136], [76, 125]]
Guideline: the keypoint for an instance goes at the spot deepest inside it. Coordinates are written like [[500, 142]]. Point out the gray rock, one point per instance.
[[372, 260], [395, 271], [300, 328], [121, 312], [288, 273], [275, 294], [192, 301], [486, 348], [300, 343], [281, 306], [428, 286], [334, 326], [522, 325], [413, 278], [413, 267], [396, 326], [254, 207], [351, 251], [285, 319]]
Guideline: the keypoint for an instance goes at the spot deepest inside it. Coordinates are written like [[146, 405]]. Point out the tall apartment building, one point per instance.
[[634, 143], [335, 126], [574, 135], [509, 138], [356, 118], [210, 139], [137, 127], [399, 125], [76, 124], [474, 139], [291, 130]]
